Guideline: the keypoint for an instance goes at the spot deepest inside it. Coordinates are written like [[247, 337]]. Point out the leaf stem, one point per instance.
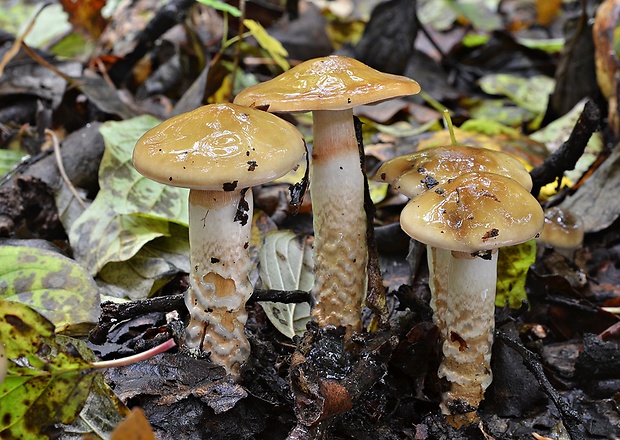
[[136, 357]]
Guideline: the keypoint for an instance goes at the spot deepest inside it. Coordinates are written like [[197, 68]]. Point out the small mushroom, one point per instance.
[[563, 231], [330, 87], [219, 151], [424, 170], [470, 217], [412, 174]]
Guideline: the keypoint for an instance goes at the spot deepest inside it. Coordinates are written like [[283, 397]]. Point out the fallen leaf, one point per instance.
[[54, 285], [134, 427], [47, 381], [129, 210], [286, 264]]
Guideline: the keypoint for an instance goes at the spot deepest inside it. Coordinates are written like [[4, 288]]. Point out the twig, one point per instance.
[[14, 49], [572, 422], [61, 167], [113, 313], [565, 157]]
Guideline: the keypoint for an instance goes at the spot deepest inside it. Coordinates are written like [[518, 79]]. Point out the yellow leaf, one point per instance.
[[267, 42]]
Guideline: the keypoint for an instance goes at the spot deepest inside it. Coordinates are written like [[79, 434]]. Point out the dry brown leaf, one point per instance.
[[134, 427]]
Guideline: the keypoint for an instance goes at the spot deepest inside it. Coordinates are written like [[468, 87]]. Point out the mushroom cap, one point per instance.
[[327, 83], [219, 147], [474, 212], [562, 229], [415, 173]]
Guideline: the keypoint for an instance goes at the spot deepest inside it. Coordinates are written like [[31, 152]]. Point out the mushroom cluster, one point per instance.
[[219, 152], [331, 87], [466, 202]]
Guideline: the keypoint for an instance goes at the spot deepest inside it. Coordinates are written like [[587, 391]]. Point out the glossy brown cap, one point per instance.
[[219, 147], [328, 83], [562, 229], [474, 212], [415, 173]]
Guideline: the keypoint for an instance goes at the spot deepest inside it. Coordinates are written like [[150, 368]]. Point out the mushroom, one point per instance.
[[330, 87], [412, 174], [471, 217], [563, 231], [415, 173], [219, 151]]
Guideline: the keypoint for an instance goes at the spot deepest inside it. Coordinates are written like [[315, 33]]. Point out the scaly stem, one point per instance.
[[469, 321], [341, 251], [219, 234]]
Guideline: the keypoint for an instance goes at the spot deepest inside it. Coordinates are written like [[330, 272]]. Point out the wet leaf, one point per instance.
[[129, 210], [54, 285], [270, 44], [286, 264], [512, 266], [47, 382]]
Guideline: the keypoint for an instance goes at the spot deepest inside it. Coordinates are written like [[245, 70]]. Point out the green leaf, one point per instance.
[[129, 210], [512, 266], [286, 264], [8, 159], [270, 44], [222, 6], [47, 382], [531, 94], [55, 285], [150, 268]]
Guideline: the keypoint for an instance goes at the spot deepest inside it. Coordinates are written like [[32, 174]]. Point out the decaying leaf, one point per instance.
[[47, 382], [129, 210], [135, 426], [54, 285], [286, 264]]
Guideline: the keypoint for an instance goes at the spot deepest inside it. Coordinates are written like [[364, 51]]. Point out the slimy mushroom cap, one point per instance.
[[474, 212], [415, 173], [219, 147], [327, 83]]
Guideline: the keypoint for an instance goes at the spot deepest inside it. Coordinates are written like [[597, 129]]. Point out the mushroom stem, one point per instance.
[[468, 336], [341, 251], [438, 264], [219, 234]]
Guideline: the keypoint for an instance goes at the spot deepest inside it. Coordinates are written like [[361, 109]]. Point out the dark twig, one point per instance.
[[376, 296], [572, 422], [169, 15], [565, 157], [113, 313]]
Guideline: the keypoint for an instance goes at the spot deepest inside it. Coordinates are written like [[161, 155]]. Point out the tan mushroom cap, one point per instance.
[[219, 147], [327, 83], [474, 212], [415, 173], [562, 229]]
